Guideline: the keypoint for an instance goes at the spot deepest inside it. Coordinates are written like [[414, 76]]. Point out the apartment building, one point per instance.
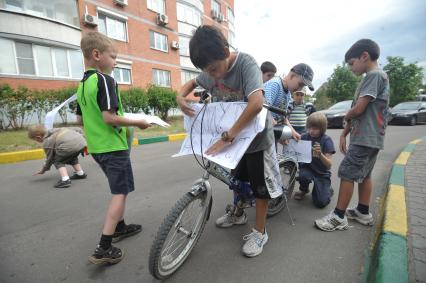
[[39, 39]]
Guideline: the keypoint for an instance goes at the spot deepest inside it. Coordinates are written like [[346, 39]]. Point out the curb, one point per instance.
[[390, 258], [18, 156]]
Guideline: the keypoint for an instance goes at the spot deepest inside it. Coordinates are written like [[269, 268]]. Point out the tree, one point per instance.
[[341, 85], [321, 99], [405, 80]]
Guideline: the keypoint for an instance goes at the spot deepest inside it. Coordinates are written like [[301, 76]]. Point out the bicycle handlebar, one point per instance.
[[204, 95]]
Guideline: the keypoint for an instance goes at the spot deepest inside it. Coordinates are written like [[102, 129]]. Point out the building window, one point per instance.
[[122, 75], [157, 6], [186, 76], [231, 38], [112, 27], [161, 78], [230, 16], [188, 14], [25, 58], [184, 45], [60, 10], [7, 57], [43, 61], [215, 7], [158, 41]]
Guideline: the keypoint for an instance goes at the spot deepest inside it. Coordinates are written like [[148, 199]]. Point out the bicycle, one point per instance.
[[181, 228]]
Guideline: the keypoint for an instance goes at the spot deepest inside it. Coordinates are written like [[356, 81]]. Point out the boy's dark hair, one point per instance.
[[267, 67], [206, 46], [363, 45]]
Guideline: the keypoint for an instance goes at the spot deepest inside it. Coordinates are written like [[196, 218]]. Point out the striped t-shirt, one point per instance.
[[298, 116]]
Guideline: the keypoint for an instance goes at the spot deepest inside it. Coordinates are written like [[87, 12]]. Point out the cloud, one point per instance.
[[320, 32]]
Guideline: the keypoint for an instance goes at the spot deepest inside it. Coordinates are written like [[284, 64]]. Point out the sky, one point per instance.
[[288, 32]]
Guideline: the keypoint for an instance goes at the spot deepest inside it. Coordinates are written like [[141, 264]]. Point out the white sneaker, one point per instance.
[[365, 219], [332, 222], [229, 219], [254, 243]]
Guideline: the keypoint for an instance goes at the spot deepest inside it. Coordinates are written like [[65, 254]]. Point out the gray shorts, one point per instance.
[[358, 163], [60, 161]]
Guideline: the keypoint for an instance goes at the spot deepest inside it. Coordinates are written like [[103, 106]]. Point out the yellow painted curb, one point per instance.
[[395, 211], [416, 141], [403, 158], [16, 156], [177, 137]]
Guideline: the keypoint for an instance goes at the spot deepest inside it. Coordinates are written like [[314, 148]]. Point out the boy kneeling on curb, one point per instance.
[[61, 146], [318, 170]]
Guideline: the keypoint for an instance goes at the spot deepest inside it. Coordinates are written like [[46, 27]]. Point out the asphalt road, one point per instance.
[[47, 234]]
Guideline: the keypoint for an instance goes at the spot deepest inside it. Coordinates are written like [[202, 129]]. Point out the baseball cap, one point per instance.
[[306, 73]]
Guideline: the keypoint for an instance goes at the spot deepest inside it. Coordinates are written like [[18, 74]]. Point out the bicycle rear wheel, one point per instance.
[[178, 234], [288, 171]]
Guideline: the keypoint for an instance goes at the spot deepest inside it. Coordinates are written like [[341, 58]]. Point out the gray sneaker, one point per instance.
[[354, 214], [229, 219], [254, 243], [332, 222]]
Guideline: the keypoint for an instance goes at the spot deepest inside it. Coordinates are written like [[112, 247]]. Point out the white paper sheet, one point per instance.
[[302, 150], [149, 118], [50, 116], [220, 117]]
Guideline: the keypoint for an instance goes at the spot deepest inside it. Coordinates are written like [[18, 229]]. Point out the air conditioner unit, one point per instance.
[[120, 2], [220, 18], [215, 14], [162, 19], [90, 20], [175, 44]]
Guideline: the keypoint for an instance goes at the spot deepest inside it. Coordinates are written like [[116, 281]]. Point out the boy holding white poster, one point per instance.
[[318, 170]]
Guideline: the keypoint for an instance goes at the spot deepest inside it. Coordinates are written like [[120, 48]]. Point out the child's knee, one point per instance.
[[321, 203]]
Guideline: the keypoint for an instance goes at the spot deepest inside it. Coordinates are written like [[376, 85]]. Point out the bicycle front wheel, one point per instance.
[[178, 234]]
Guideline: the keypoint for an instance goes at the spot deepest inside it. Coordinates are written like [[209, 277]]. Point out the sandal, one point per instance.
[[129, 230]]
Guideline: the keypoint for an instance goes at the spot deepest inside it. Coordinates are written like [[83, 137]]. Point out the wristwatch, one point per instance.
[[226, 138]]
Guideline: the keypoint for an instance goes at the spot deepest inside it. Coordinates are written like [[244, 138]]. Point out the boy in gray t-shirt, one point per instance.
[[235, 76], [367, 121]]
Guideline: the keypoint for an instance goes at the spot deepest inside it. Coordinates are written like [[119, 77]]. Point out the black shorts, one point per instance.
[[118, 169], [251, 169]]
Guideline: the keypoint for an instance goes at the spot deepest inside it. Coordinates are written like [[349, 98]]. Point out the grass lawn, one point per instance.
[[18, 140]]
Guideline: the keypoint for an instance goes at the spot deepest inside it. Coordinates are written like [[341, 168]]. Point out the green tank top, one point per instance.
[[100, 136]]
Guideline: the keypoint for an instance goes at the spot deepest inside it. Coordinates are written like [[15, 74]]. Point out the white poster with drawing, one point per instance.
[[148, 118], [302, 150], [217, 118], [50, 116]]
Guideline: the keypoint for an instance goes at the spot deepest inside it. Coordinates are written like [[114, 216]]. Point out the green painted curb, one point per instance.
[[391, 264], [410, 147], [397, 176], [153, 140]]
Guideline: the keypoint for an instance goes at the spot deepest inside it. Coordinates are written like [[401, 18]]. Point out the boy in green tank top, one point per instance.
[[101, 113]]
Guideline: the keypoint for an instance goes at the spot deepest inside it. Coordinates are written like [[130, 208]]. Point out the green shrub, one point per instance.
[[161, 100], [134, 100]]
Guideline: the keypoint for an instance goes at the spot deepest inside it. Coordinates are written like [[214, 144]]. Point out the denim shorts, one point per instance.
[[358, 163], [118, 169]]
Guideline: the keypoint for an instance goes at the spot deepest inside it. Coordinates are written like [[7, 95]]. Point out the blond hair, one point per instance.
[[317, 120], [95, 40], [36, 131]]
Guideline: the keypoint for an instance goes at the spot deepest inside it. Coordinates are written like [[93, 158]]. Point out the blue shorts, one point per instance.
[[118, 169]]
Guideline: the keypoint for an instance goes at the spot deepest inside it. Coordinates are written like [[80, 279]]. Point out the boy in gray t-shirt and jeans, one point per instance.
[[367, 120]]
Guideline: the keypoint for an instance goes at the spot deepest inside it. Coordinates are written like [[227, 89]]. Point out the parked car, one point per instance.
[[410, 113], [336, 113]]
